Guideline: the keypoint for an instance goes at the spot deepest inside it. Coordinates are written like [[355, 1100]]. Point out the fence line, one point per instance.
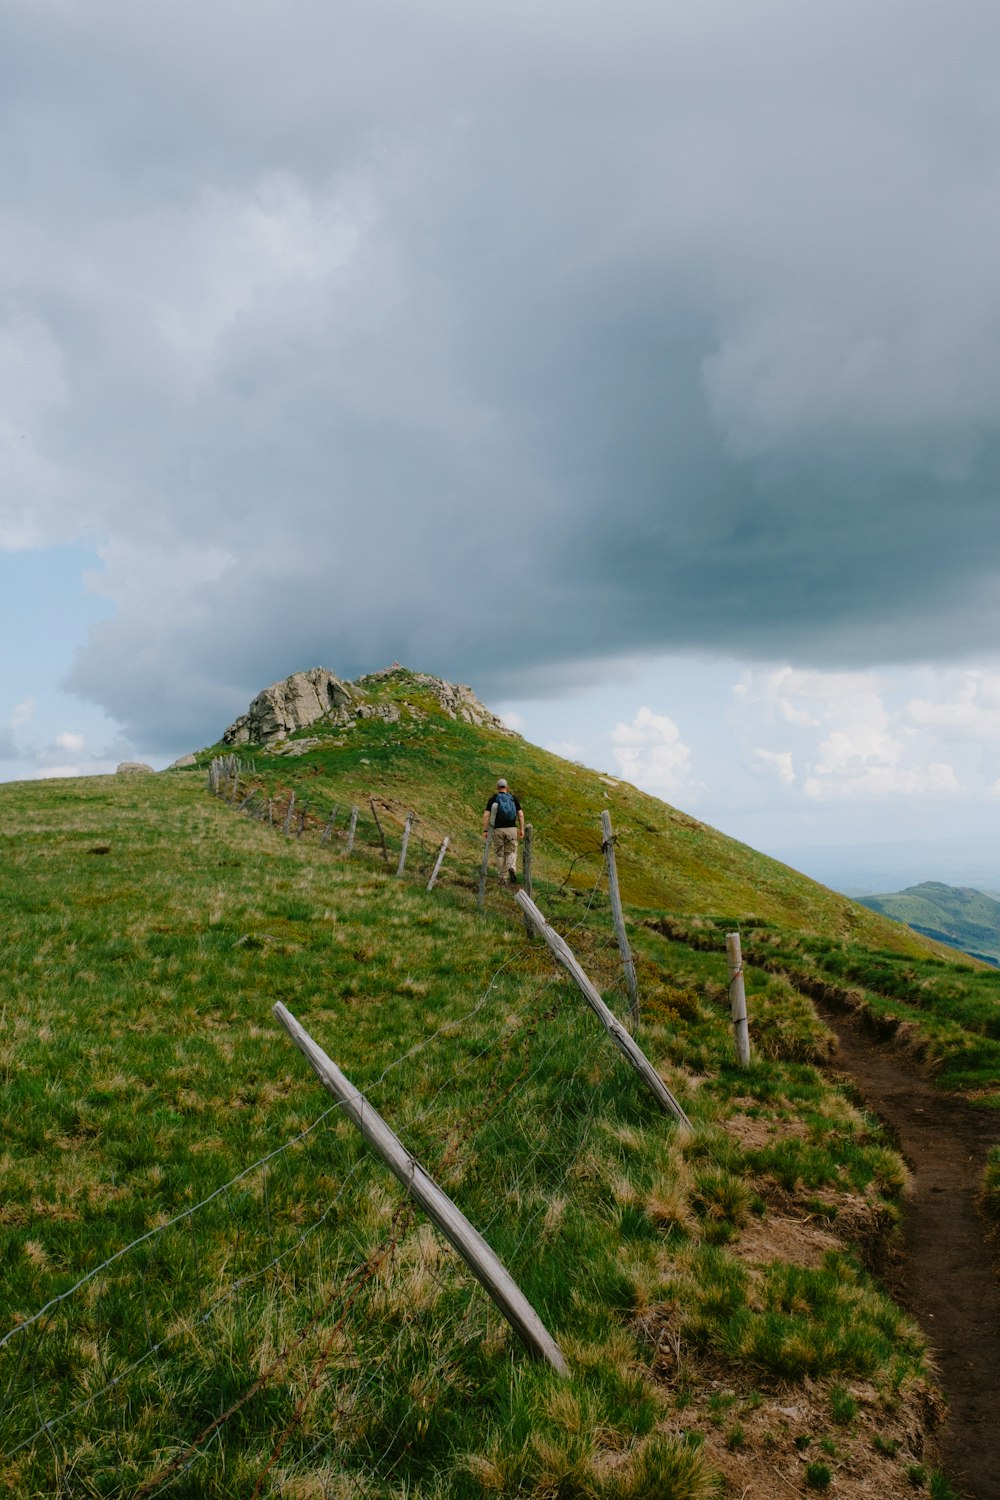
[[522, 1052], [209, 1307], [206, 1313]]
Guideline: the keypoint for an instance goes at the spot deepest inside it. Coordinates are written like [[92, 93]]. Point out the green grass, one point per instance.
[[279, 1304], [945, 1010], [991, 1185]]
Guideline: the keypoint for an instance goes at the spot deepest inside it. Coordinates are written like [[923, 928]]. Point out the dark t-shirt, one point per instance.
[[501, 821]]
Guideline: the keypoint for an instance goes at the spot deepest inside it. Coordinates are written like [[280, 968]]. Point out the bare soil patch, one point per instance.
[[946, 1277]]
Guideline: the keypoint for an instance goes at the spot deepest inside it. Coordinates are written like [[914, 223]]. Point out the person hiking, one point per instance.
[[508, 827]]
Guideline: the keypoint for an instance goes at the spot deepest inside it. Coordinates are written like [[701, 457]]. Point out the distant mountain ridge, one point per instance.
[[958, 915]]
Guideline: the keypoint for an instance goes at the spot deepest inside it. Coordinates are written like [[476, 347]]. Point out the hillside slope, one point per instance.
[[443, 768], [215, 1289], [957, 915]]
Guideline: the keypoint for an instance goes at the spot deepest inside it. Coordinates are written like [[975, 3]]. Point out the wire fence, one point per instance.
[[271, 1327]]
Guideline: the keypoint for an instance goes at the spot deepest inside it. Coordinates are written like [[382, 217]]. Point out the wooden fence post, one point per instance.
[[453, 1224], [616, 1031], [329, 825], [437, 865], [286, 827], [270, 812], [381, 831], [527, 853], [406, 839], [352, 827], [618, 918], [738, 999], [486, 858]]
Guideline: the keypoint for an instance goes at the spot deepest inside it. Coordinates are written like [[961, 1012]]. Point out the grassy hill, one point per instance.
[[444, 769], [956, 915], [213, 1289]]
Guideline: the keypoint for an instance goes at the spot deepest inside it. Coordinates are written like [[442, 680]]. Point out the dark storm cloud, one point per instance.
[[504, 342]]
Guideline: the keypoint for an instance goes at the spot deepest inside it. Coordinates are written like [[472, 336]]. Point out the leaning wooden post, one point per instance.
[[352, 827], [486, 857], [618, 918], [286, 827], [437, 865], [329, 825], [626, 1044], [453, 1224], [381, 831], [738, 999], [406, 839], [526, 854], [526, 857]]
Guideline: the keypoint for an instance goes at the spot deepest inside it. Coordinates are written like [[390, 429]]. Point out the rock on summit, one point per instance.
[[305, 698]]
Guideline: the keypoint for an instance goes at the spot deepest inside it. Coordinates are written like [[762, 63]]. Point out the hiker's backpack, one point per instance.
[[506, 809]]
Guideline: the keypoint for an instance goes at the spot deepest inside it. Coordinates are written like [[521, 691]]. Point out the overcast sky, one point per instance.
[[638, 365]]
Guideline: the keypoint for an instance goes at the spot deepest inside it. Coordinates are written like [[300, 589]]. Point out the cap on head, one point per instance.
[[501, 782]]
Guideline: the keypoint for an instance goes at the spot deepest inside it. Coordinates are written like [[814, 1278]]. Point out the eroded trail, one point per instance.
[[947, 1279]]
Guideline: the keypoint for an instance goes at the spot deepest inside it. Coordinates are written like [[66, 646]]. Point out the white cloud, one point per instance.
[[966, 704], [778, 761], [70, 741], [24, 713], [875, 781], [855, 736], [568, 749], [650, 753]]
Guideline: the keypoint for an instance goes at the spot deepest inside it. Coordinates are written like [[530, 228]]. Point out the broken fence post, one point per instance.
[[406, 839], [437, 865], [738, 999], [453, 1224], [329, 825], [352, 828], [626, 1044], [486, 858], [286, 826], [618, 918]]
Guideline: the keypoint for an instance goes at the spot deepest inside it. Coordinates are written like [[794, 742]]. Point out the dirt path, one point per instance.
[[947, 1278]]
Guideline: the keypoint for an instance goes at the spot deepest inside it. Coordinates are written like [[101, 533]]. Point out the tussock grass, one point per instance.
[[991, 1184]]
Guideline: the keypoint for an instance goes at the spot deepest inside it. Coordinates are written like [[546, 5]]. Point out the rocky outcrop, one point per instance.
[[460, 702], [181, 761], [457, 700], [133, 768], [293, 704], [306, 697]]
